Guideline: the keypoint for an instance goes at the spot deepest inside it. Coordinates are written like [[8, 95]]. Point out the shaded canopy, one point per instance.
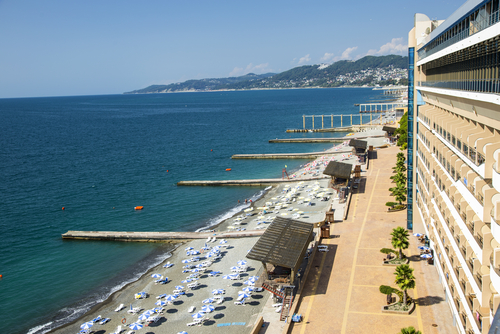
[[338, 169], [358, 143], [389, 129], [284, 243]]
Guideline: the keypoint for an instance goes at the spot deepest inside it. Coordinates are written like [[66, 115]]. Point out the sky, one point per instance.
[[65, 48]]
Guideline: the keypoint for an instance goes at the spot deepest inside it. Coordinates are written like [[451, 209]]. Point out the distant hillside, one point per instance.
[[367, 71], [200, 85]]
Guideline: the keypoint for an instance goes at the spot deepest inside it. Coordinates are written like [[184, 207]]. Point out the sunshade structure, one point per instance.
[[359, 145], [389, 129], [339, 171], [284, 244]]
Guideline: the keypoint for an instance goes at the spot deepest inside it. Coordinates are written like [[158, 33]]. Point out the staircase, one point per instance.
[[287, 303], [273, 290]]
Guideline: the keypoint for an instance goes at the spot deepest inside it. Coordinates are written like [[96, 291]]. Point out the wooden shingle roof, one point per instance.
[[338, 169], [357, 143], [284, 243]]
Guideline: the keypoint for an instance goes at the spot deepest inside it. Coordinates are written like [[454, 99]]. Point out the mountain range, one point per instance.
[[367, 71]]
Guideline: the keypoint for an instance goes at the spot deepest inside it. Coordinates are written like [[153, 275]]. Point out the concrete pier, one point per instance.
[[321, 140], [250, 182], [311, 155], [155, 236]]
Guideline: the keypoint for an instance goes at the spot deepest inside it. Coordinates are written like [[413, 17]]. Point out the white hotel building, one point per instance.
[[454, 155]]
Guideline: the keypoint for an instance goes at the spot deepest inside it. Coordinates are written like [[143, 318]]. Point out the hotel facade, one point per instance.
[[454, 155]]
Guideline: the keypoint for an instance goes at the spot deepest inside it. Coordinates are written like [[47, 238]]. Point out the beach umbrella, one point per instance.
[[242, 262], [160, 296], [249, 282], [426, 256], [156, 276], [161, 303], [198, 315], [208, 308], [189, 248], [168, 265], [195, 252], [248, 289], [195, 270], [234, 268], [418, 235], [253, 278], [183, 332], [244, 295], [208, 301], [227, 277], [170, 298], [424, 248], [143, 317], [179, 287], [87, 325], [217, 291], [135, 326], [186, 261], [186, 281]]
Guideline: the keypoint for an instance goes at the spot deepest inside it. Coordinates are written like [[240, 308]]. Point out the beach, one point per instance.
[[304, 200]]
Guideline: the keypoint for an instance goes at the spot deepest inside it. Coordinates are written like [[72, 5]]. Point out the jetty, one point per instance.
[[323, 140], [311, 155], [249, 182], [155, 236]]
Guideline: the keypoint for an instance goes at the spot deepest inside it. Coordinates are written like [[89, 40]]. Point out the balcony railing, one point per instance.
[[475, 26]]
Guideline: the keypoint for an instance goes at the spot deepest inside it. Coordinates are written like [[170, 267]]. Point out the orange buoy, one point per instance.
[[139, 207], [167, 170], [211, 150], [1, 276], [228, 169], [63, 207]]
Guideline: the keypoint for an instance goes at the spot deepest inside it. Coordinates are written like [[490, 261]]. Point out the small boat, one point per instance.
[[228, 169], [138, 207]]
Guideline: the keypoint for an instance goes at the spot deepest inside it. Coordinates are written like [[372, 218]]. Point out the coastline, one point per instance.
[[237, 252]]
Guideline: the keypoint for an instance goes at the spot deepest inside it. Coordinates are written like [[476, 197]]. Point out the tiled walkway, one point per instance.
[[342, 293]]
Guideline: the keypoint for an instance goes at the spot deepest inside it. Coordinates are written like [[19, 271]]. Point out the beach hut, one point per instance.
[[359, 146], [340, 173], [282, 248]]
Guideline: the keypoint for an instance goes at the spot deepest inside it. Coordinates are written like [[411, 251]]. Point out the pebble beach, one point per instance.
[[305, 200]]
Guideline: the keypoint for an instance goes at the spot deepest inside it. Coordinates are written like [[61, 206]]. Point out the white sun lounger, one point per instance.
[[191, 309], [119, 308], [118, 330], [220, 300], [242, 302], [278, 310]]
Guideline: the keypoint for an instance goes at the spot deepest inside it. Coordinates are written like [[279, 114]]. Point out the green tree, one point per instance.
[[399, 193], [400, 239], [409, 330], [399, 178], [405, 279]]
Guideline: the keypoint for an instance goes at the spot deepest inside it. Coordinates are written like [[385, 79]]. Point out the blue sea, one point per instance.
[[100, 156]]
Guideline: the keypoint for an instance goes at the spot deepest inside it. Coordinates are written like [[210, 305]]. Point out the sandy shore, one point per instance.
[[227, 317]]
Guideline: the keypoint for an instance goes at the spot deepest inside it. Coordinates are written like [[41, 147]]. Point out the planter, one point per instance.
[[398, 208], [396, 262], [393, 308]]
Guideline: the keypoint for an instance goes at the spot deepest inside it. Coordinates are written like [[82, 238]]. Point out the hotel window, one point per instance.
[[466, 150], [459, 145], [448, 137], [453, 140]]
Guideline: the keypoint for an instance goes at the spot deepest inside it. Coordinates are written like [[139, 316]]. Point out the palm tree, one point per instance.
[[405, 279], [400, 239], [409, 330]]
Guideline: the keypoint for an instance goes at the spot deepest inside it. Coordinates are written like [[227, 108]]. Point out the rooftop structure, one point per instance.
[[454, 155], [284, 244]]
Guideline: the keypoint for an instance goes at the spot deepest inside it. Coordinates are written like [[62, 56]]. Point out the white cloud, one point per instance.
[[327, 56], [395, 46], [304, 59], [251, 68], [347, 53]]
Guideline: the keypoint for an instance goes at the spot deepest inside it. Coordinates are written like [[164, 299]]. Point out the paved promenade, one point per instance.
[[342, 293]]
